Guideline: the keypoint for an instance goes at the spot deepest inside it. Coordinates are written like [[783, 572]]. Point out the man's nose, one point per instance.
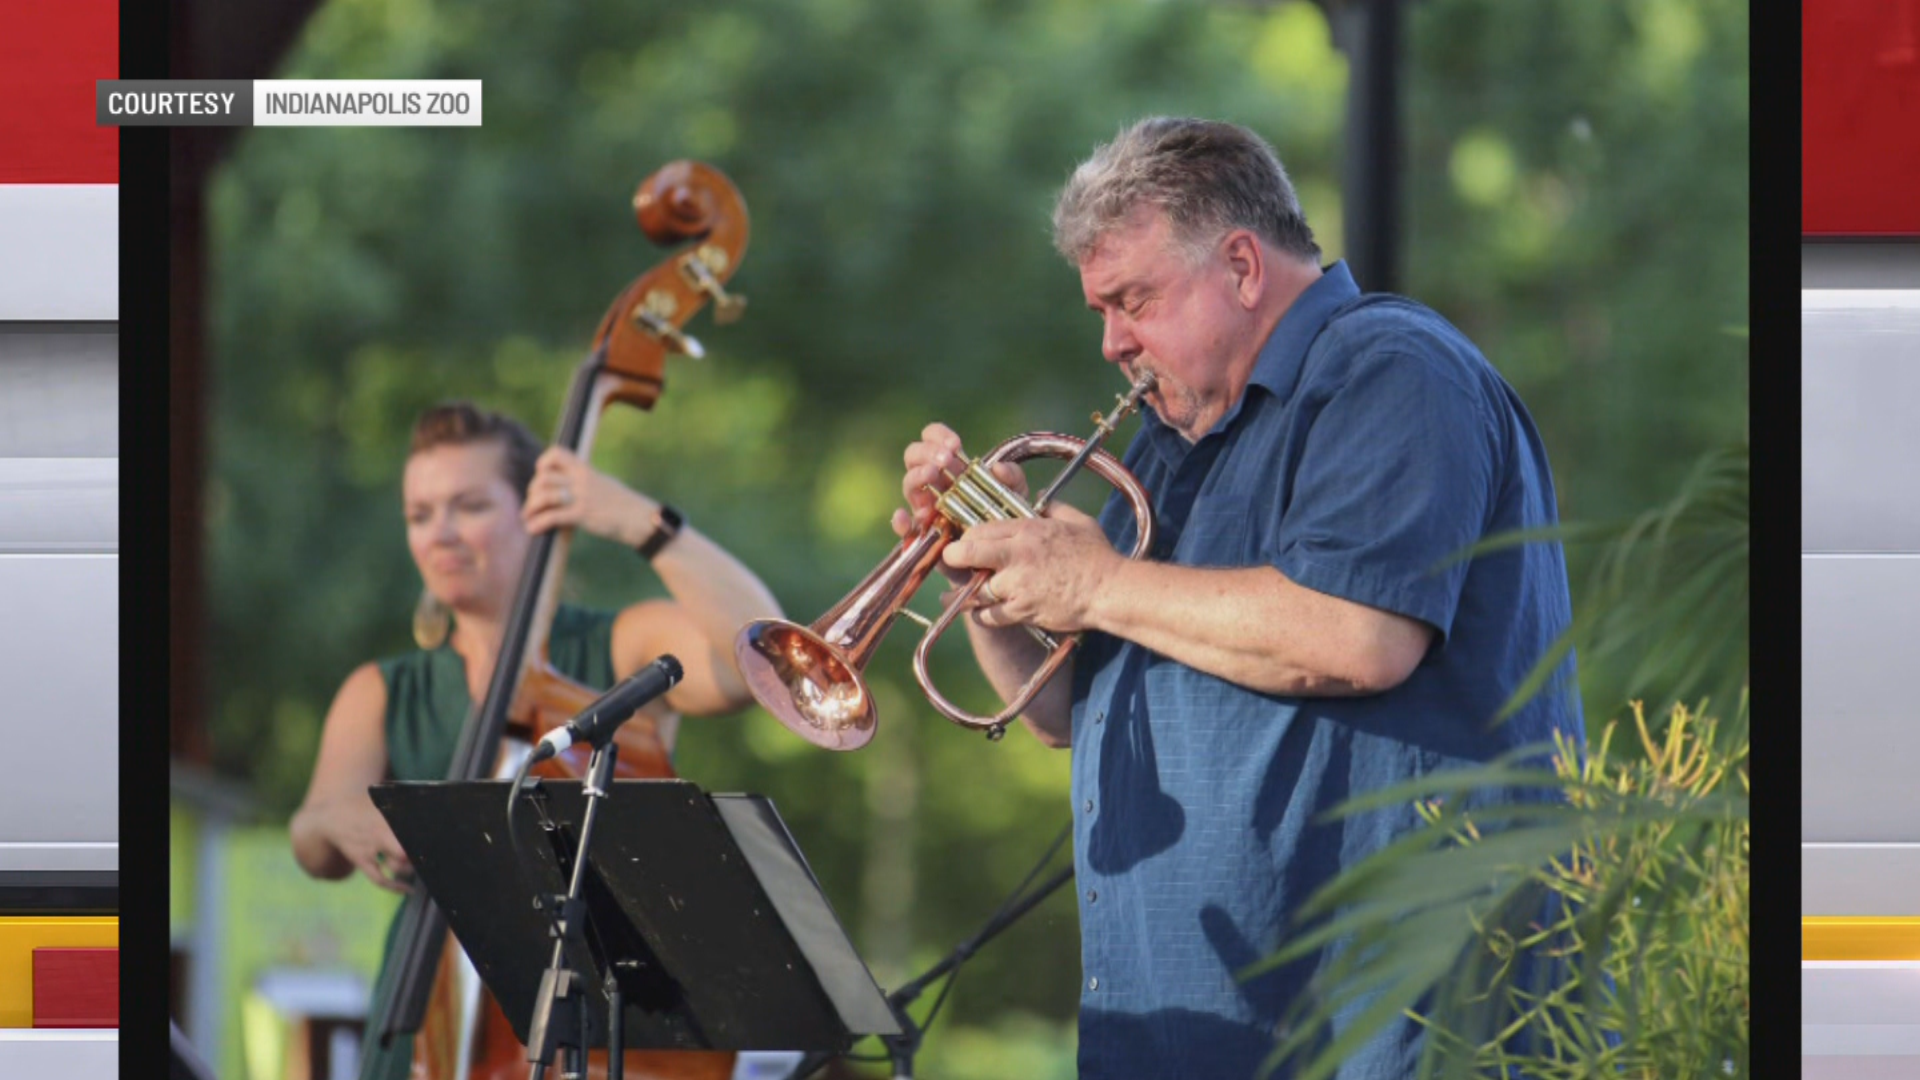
[[1117, 343]]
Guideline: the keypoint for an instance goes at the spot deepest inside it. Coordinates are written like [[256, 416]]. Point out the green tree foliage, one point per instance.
[[1576, 195], [1579, 202]]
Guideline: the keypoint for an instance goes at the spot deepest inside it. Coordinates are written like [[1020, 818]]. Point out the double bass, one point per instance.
[[684, 203]]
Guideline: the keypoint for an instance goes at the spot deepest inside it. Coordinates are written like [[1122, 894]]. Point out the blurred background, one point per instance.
[[1567, 183]]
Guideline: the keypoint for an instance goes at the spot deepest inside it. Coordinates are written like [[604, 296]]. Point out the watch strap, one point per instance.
[[666, 525]]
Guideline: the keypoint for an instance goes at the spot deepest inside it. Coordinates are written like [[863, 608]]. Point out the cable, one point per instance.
[[538, 1069], [934, 1010], [948, 970], [513, 798], [1014, 897]]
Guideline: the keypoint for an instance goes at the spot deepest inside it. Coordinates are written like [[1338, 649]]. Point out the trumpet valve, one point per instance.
[[976, 495]]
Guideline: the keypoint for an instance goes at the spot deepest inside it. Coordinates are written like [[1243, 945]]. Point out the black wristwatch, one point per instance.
[[666, 526]]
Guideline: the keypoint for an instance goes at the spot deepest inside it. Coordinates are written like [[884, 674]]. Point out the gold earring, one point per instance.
[[431, 622]]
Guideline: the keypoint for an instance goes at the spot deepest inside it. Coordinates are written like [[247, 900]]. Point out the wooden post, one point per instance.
[[1368, 31]]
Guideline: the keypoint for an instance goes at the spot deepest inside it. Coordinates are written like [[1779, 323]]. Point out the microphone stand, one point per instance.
[[561, 1001], [902, 1047]]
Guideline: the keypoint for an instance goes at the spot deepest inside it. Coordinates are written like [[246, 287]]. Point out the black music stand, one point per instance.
[[717, 933]]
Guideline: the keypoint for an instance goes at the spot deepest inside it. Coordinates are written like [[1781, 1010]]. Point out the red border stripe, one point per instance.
[[1860, 120], [76, 988], [51, 54]]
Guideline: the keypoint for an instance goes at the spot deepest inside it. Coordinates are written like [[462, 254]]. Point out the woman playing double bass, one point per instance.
[[477, 487]]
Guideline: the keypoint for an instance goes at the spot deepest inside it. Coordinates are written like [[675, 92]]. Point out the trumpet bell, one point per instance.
[[806, 683]]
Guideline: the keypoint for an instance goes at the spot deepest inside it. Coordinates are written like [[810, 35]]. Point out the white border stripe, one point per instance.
[[59, 252], [57, 856], [59, 505], [1860, 1010], [1851, 1067], [1859, 994], [1857, 299], [1864, 1040], [1860, 879], [71, 1054], [60, 1035]]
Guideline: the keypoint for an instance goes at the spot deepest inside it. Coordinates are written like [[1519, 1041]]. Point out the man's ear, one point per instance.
[[1246, 267]]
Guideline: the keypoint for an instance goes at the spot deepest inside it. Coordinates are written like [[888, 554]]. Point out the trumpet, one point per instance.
[[809, 677]]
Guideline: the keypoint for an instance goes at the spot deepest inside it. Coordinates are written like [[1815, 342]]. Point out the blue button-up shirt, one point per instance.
[[1372, 444]]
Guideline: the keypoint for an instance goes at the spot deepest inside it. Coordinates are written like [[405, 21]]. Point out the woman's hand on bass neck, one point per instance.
[[566, 492]]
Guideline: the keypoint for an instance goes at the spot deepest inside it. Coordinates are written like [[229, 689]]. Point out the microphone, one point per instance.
[[598, 721]]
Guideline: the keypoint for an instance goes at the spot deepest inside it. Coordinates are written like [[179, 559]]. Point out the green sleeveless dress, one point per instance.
[[427, 703]]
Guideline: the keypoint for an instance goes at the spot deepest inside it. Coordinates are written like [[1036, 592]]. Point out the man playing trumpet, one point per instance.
[[1303, 632]]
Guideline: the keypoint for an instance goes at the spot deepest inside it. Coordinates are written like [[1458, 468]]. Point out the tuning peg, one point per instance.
[[668, 333], [701, 269]]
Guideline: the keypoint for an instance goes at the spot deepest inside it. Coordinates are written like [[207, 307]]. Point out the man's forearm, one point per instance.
[[1253, 627], [1009, 656]]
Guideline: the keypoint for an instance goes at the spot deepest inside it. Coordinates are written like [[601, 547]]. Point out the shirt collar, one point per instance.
[[1281, 358], [1285, 352]]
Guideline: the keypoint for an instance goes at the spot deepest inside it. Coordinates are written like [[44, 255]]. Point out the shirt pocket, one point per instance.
[[1217, 536]]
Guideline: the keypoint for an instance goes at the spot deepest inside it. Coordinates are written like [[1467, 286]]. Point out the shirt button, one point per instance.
[[1100, 716], [1092, 895], [1093, 983], [1089, 806]]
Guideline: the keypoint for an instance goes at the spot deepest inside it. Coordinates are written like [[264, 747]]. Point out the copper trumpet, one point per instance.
[[809, 677]]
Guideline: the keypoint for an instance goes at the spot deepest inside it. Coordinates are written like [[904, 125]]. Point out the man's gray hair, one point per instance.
[[1208, 177]]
